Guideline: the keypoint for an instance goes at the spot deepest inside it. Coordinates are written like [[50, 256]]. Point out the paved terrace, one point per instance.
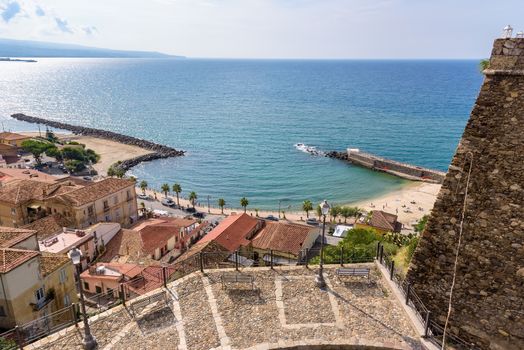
[[285, 310]]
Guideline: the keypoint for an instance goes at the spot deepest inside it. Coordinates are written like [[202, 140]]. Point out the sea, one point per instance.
[[240, 120]]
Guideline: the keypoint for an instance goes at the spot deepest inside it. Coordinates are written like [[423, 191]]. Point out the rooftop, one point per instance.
[[97, 190], [11, 258], [383, 220], [286, 238], [10, 174], [51, 262], [11, 136], [285, 309], [48, 226], [113, 270], [233, 231], [9, 236]]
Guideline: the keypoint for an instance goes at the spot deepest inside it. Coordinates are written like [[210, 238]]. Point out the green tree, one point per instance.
[[74, 165], [244, 203], [111, 171], [165, 189], [192, 198], [7, 343], [143, 186], [419, 227], [177, 189], [221, 204], [483, 65], [119, 172], [346, 212], [318, 210], [307, 206], [36, 148], [335, 212], [54, 153]]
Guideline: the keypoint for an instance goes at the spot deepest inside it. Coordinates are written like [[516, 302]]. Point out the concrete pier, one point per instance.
[[404, 170]]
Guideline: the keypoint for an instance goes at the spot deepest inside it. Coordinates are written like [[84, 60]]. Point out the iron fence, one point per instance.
[[432, 330]]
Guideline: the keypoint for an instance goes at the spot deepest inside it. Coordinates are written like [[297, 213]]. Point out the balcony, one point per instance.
[[40, 304], [106, 208]]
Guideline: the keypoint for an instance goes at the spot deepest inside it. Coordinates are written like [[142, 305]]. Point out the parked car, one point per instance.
[[271, 218], [199, 215], [312, 221], [144, 196], [191, 210], [168, 202]]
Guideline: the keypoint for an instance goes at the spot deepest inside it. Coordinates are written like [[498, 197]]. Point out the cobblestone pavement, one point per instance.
[[284, 308]]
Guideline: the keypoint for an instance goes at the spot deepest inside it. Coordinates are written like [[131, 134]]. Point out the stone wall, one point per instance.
[[488, 298]]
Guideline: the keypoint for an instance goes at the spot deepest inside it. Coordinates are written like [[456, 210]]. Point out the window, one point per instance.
[[63, 276], [39, 294], [108, 218], [115, 199], [106, 205], [86, 286], [2, 311], [90, 210], [67, 300], [98, 289], [13, 211], [128, 194]]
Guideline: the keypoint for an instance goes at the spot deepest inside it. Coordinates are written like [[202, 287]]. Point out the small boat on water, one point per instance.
[[309, 149]]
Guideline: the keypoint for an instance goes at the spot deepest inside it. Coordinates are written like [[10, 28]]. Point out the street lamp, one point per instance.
[[89, 340], [319, 280]]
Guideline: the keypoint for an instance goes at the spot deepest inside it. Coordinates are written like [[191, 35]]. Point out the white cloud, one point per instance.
[[30, 19]]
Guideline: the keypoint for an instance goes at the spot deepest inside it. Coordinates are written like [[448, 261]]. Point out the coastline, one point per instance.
[[423, 193]]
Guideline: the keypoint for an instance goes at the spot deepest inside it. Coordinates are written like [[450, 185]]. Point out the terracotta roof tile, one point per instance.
[[10, 236], [11, 174], [287, 238], [48, 226], [383, 220], [22, 191], [52, 262], [97, 190], [11, 258], [11, 136], [233, 231]]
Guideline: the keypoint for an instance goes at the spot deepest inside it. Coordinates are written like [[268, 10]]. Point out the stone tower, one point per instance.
[[488, 166]]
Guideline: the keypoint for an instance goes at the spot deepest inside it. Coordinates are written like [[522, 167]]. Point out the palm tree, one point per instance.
[[143, 186], [177, 189], [307, 206], [318, 209], [335, 211], [244, 203], [165, 189], [346, 212], [357, 212], [221, 204], [193, 197]]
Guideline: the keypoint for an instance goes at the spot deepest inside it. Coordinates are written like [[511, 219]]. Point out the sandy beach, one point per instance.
[[410, 203], [110, 151]]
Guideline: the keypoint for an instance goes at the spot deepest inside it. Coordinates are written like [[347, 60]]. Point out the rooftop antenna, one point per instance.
[[507, 32]]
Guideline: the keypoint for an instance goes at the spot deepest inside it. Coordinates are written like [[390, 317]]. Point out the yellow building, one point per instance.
[[13, 139], [32, 284], [24, 201]]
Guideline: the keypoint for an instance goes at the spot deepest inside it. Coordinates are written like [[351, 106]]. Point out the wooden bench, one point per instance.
[[237, 278], [353, 271], [137, 306]]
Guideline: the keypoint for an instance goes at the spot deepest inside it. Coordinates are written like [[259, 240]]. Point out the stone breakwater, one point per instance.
[[158, 151]]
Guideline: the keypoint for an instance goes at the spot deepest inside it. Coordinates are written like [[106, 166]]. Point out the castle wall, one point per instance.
[[488, 298]]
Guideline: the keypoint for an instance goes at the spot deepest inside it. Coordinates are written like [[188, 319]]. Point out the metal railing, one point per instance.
[[432, 330]]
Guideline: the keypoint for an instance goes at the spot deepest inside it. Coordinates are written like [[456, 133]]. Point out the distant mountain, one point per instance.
[[25, 48]]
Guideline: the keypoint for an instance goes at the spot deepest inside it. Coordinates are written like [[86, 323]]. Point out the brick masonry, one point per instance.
[[488, 298]]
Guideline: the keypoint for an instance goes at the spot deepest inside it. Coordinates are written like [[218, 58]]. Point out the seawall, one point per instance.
[[158, 151], [403, 170]]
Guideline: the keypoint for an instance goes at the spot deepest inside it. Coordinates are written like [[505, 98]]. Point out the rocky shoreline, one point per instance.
[[158, 151], [337, 155]]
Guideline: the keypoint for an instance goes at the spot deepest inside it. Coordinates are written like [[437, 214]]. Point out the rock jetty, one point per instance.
[[158, 151], [337, 155]]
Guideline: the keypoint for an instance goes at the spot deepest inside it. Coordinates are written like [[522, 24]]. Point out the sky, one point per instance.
[[331, 29]]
